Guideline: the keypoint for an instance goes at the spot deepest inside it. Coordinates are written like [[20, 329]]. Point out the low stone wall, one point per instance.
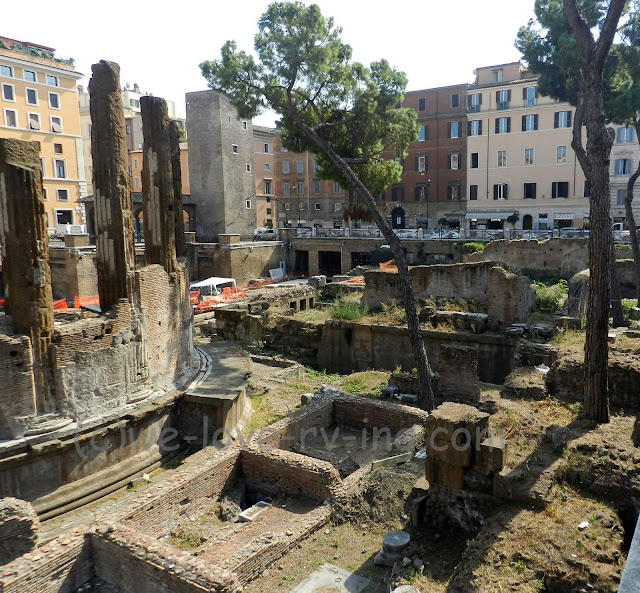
[[347, 347], [377, 414], [549, 258], [509, 297]]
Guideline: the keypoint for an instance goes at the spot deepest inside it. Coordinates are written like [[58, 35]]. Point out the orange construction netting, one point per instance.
[[86, 301]]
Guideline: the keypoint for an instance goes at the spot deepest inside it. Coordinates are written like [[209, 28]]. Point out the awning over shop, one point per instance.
[[487, 215]]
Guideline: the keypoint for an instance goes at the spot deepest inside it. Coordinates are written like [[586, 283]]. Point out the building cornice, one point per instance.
[[44, 67]]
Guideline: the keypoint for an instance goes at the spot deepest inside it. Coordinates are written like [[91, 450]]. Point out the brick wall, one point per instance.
[[138, 563], [73, 272], [61, 566], [353, 411]]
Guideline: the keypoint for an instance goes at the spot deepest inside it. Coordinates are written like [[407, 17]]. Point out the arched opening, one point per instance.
[[527, 222]]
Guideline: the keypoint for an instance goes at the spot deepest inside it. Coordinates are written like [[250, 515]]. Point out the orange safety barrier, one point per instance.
[[193, 296], [1, 302], [86, 301], [388, 265], [60, 305]]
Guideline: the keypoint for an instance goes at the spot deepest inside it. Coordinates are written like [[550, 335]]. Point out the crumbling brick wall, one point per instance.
[[18, 528], [17, 397]]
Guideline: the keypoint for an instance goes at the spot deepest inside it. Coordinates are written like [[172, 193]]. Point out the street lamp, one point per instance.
[[284, 207]]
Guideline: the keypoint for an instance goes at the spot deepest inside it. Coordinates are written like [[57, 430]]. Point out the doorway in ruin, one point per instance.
[[329, 263], [398, 218], [302, 261], [527, 222]]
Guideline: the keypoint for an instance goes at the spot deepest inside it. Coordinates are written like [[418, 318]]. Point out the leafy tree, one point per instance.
[[562, 48], [342, 110], [512, 219]]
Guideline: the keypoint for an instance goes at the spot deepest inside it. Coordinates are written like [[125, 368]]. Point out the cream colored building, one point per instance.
[[519, 155], [625, 154], [39, 102]]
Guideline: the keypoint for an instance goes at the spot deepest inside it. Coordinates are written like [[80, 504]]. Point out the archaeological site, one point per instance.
[[181, 416]]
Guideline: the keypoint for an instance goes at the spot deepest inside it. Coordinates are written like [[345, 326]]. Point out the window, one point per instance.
[[56, 124], [502, 158], [624, 135], [283, 149], [62, 195], [57, 148], [621, 194], [315, 166], [337, 206], [269, 211], [529, 96], [127, 128], [34, 121], [561, 154], [453, 191], [317, 206], [475, 127], [42, 167], [234, 148], [53, 81], [300, 187], [397, 192], [299, 166], [422, 133], [137, 182], [502, 99], [31, 96], [45, 197], [503, 125], [500, 191], [248, 167], [301, 206], [496, 75], [54, 100], [475, 100], [10, 118], [455, 100], [136, 164], [8, 93], [422, 104], [265, 148], [64, 216], [286, 187], [285, 166], [267, 167], [528, 156], [529, 191], [267, 186], [562, 119], [454, 130], [336, 187], [473, 192], [421, 163], [244, 127], [421, 192], [586, 191], [247, 203], [454, 161], [529, 122], [29, 75], [316, 186], [473, 160], [622, 167], [60, 168], [6, 71], [560, 189], [135, 103]]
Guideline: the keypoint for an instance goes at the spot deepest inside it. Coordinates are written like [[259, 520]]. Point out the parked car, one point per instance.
[[264, 235]]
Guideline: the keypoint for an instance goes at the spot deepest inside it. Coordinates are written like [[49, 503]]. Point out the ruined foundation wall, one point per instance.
[[378, 414], [17, 396], [553, 257]]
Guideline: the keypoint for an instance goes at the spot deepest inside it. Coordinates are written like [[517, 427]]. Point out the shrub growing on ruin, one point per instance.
[[472, 248], [347, 310], [550, 297]]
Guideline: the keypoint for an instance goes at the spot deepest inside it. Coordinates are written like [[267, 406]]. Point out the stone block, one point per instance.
[[81, 240], [490, 456], [228, 238], [478, 482], [437, 472], [525, 382], [452, 422], [446, 451], [318, 281]]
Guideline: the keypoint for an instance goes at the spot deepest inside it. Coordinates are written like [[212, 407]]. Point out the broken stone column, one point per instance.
[[176, 169], [25, 257], [458, 370], [115, 247], [157, 186]]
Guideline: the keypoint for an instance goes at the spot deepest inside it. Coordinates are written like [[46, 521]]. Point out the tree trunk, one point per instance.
[[631, 222], [425, 395], [616, 299], [595, 164]]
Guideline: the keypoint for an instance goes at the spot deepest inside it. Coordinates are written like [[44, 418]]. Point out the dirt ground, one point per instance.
[[572, 473]]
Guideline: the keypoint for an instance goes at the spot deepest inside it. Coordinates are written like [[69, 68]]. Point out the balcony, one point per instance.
[[503, 105], [474, 109]]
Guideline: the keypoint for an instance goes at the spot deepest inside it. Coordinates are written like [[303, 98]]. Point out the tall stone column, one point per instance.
[[25, 258], [115, 247], [157, 186], [176, 169]]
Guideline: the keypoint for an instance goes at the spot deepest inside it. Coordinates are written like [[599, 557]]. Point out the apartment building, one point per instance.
[[433, 180], [625, 154], [519, 155], [39, 102]]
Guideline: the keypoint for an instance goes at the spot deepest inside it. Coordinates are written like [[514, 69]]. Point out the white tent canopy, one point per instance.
[[210, 286]]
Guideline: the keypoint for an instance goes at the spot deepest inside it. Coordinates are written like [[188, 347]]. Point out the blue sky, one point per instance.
[[159, 45]]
